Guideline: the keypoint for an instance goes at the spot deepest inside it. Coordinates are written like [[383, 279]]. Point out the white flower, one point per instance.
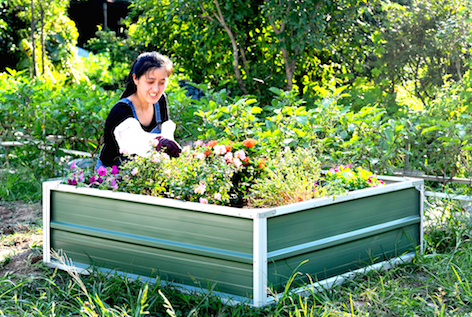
[[229, 156], [200, 189], [237, 162], [203, 200], [200, 156], [217, 196], [219, 149], [240, 155]]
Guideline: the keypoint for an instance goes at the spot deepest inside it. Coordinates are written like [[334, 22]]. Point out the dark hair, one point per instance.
[[144, 63]]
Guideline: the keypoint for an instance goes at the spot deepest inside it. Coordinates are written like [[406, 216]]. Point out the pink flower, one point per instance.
[[113, 184], [200, 156], [102, 171], [164, 156], [73, 166], [229, 156], [219, 149], [217, 196], [240, 155], [198, 143], [134, 171], [72, 181], [81, 176], [92, 179], [155, 142], [186, 149], [237, 162], [114, 170], [203, 200], [200, 189], [124, 152]]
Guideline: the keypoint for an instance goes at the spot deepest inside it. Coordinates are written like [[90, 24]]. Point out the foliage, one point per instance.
[[59, 32]]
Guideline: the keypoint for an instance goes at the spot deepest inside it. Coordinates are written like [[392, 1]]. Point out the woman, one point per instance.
[[138, 117]]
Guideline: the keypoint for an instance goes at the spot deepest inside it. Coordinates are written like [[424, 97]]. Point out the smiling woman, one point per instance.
[[140, 113]]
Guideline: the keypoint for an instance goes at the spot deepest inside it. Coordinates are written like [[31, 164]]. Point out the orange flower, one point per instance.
[[245, 160], [212, 143], [228, 147], [207, 153], [249, 142], [262, 163]]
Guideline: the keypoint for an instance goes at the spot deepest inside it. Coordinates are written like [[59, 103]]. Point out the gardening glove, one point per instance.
[[170, 147]]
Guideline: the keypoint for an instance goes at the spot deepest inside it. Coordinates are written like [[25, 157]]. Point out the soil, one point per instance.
[[20, 238]]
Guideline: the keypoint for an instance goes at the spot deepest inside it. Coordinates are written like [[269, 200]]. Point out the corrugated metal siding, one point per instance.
[[180, 245], [318, 223]]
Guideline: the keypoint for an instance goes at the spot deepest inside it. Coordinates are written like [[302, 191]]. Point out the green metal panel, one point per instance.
[[194, 270], [160, 222], [181, 245], [343, 257], [317, 223]]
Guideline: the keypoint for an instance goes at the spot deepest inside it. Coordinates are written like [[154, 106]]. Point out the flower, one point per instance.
[[237, 162], [245, 161], [134, 171], [92, 179], [240, 155], [73, 166], [212, 143], [219, 149], [200, 189], [262, 163], [229, 156], [200, 156], [228, 147], [72, 181], [81, 176], [124, 152], [203, 200], [249, 143], [207, 153], [113, 184], [186, 149], [198, 143], [217, 196], [102, 171], [155, 142], [114, 170]]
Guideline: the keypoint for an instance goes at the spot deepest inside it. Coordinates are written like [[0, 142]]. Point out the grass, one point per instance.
[[19, 184], [438, 282]]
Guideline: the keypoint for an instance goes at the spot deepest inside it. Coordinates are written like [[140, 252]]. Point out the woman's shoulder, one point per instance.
[[120, 111]]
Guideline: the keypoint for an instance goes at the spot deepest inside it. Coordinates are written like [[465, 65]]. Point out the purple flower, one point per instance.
[[81, 176], [102, 171], [114, 170], [92, 179], [72, 181], [100, 180], [113, 184], [73, 166]]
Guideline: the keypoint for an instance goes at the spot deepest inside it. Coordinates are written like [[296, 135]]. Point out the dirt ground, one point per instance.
[[20, 238]]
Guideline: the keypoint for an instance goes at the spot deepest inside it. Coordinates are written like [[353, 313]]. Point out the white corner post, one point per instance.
[[46, 222], [260, 275]]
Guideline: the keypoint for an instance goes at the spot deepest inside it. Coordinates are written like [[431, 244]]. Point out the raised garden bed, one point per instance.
[[243, 251]]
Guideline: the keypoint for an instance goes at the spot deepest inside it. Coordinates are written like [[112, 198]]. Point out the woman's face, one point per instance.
[[151, 85]]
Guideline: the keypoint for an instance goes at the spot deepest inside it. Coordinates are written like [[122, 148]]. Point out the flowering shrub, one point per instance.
[[213, 172], [103, 178], [227, 173], [351, 179]]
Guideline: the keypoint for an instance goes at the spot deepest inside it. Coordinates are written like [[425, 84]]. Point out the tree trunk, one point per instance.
[[32, 39], [42, 39], [237, 71]]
